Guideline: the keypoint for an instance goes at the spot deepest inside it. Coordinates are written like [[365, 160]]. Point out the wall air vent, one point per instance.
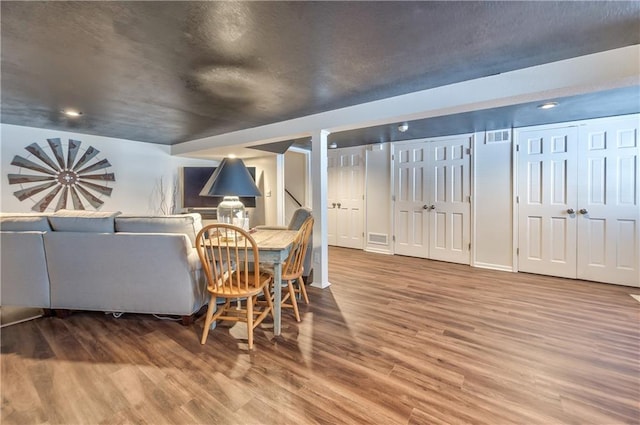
[[498, 136], [377, 238]]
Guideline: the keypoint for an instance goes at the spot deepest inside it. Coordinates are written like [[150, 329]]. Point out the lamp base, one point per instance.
[[232, 211]]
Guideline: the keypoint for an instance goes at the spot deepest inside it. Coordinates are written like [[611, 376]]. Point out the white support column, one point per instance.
[[280, 186], [319, 206]]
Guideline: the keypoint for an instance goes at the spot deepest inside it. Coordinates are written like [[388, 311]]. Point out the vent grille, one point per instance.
[[377, 238], [498, 136]]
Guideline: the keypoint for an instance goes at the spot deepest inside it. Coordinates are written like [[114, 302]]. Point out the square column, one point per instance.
[[319, 187]]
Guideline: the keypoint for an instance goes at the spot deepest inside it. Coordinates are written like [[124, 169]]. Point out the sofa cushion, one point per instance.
[[188, 224], [83, 221], [24, 222]]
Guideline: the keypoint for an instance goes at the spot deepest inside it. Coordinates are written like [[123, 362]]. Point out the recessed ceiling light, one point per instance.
[[333, 145], [403, 127], [548, 105], [72, 113], [232, 155]]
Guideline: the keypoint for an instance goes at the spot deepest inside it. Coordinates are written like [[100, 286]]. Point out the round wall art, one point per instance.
[[62, 181]]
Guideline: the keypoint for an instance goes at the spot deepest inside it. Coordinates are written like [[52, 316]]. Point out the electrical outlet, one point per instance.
[[316, 257]]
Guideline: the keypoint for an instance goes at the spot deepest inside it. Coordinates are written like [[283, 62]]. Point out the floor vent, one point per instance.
[[378, 238], [498, 136]]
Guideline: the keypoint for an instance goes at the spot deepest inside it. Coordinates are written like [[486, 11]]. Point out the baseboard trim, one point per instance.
[[20, 318], [378, 251], [491, 266]]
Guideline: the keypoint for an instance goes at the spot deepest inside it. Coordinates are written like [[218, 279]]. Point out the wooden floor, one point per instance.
[[394, 340]]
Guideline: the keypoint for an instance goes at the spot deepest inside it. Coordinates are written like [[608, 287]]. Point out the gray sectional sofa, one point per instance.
[[80, 260]]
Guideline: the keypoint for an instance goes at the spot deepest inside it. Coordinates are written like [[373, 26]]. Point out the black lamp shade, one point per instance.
[[231, 178]]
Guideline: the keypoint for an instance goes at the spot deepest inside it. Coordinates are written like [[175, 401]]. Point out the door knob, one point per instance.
[[571, 211], [425, 207], [339, 204], [583, 211], [333, 205], [428, 207]]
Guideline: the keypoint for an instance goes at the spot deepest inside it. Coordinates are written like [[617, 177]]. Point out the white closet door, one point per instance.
[[411, 206], [547, 178], [608, 222], [345, 196], [332, 198], [448, 178], [350, 214]]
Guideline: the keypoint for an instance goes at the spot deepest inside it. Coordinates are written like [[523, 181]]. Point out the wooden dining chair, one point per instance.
[[231, 274], [293, 269]]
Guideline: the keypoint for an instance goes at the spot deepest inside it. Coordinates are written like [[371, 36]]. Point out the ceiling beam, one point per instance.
[[585, 74]]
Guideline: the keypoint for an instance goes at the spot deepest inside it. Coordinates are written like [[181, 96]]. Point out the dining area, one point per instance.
[[247, 270], [253, 274]]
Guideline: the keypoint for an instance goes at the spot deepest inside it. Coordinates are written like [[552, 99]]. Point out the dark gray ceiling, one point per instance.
[[168, 72], [591, 105]]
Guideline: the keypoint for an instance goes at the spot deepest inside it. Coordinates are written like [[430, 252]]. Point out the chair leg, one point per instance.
[[269, 301], [270, 304], [303, 290], [294, 303], [207, 320], [250, 321]]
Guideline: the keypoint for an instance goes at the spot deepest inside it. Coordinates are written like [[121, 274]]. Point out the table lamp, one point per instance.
[[231, 179]]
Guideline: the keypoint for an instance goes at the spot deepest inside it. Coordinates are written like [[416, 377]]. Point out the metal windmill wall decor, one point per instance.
[[70, 183]]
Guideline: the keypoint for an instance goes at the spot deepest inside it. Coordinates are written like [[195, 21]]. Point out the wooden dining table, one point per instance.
[[274, 247]]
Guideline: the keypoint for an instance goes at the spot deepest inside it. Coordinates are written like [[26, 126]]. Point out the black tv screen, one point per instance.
[[194, 179]]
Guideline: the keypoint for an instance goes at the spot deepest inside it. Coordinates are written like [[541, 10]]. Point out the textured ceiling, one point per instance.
[[169, 72]]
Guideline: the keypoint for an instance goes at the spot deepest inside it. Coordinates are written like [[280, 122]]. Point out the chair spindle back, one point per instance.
[[224, 251]]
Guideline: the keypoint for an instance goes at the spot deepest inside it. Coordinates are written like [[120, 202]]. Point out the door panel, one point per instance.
[[450, 178], [561, 252], [608, 238], [598, 178], [351, 201], [432, 206], [547, 179], [534, 238], [332, 199], [346, 205], [410, 217]]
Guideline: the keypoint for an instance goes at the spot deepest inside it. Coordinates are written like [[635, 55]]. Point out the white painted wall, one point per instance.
[[138, 168], [492, 244], [378, 204], [266, 205], [295, 181]]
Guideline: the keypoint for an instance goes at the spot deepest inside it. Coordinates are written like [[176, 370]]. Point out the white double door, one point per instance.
[[432, 199], [578, 211], [345, 196]]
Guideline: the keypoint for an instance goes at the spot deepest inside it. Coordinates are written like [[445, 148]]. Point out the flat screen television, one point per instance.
[[194, 179]]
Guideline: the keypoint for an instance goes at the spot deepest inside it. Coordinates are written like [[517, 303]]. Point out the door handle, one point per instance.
[[571, 211], [425, 207], [339, 204], [333, 205], [583, 211], [428, 207]]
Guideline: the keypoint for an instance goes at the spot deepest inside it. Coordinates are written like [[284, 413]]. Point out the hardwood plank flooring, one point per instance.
[[393, 340]]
